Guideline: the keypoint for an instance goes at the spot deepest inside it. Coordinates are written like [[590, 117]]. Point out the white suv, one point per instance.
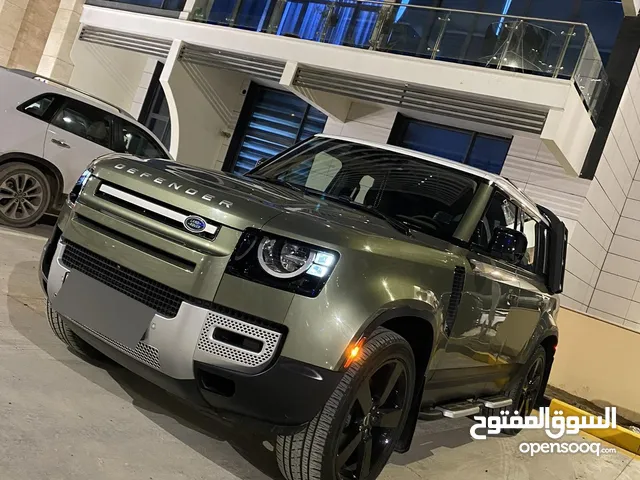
[[49, 133]]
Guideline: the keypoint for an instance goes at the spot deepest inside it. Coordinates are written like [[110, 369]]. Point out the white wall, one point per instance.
[[605, 248], [536, 171], [364, 122], [106, 72], [204, 104]]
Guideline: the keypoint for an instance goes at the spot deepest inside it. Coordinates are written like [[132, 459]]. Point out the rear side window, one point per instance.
[[135, 141], [85, 121], [38, 106]]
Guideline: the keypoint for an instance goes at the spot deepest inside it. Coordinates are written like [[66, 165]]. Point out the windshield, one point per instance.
[[424, 196]]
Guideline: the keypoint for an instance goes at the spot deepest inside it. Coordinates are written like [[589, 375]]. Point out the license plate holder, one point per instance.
[[103, 309]]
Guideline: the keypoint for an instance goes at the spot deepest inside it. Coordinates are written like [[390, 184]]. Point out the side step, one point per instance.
[[472, 407]]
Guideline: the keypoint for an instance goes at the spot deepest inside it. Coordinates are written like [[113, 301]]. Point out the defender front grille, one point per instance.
[[164, 300]]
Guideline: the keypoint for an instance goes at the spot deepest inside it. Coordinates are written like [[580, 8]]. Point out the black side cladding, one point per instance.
[[454, 300], [557, 250]]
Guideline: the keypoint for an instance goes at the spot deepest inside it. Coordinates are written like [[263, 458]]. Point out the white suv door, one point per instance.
[[77, 134]]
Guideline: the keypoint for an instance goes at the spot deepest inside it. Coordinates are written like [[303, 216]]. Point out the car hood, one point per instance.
[[234, 201]]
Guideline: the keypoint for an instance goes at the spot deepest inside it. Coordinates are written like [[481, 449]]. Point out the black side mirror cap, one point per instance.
[[508, 244]]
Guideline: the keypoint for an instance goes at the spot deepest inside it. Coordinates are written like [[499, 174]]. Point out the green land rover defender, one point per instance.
[[327, 297]]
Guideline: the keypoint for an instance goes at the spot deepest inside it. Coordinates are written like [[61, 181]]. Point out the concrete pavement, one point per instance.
[[64, 418]]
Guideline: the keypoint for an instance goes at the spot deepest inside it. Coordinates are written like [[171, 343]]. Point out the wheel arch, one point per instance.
[[418, 327], [46, 167]]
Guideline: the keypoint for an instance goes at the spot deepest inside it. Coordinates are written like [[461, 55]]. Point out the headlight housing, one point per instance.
[[79, 186], [282, 263]]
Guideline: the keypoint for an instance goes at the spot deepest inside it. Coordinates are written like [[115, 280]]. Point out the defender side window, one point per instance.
[[499, 213], [85, 121]]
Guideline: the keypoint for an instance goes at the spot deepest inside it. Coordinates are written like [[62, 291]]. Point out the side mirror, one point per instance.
[[508, 244]]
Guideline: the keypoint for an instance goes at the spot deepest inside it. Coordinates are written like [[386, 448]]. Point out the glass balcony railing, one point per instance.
[[533, 46]]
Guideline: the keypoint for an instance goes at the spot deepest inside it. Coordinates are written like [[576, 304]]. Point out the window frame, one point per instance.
[[64, 101], [118, 125]]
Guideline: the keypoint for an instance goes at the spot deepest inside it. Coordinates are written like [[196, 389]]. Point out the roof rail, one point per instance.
[[42, 78]]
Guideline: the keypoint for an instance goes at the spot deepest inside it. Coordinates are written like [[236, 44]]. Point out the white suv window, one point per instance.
[[84, 121]]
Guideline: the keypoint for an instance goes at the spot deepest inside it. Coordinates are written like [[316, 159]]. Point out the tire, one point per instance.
[[522, 389], [25, 194], [312, 454], [59, 326]]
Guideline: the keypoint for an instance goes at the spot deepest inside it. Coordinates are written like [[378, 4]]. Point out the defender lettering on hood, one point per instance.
[[173, 185]]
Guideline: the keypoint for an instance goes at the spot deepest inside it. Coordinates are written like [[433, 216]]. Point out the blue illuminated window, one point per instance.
[[486, 152], [271, 121]]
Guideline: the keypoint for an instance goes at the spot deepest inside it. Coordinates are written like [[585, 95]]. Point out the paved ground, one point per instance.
[[62, 418]]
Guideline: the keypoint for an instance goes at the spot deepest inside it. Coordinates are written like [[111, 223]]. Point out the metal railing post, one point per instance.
[[563, 51], [436, 46]]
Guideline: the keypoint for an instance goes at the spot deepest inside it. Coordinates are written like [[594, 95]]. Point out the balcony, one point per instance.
[[541, 77], [530, 46]]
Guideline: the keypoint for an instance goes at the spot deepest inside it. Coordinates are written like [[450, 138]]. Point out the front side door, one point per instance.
[[472, 364], [77, 134]]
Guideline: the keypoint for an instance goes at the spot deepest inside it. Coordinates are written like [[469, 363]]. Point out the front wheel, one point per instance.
[[356, 432], [25, 194]]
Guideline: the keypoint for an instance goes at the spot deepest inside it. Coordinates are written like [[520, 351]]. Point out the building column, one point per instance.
[[11, 16], [56, 60]]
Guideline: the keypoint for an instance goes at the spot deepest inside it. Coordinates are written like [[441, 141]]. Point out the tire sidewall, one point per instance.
[[18, 167], [370, 361]]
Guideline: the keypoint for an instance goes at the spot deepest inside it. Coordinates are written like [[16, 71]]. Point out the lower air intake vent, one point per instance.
[[454, 299]]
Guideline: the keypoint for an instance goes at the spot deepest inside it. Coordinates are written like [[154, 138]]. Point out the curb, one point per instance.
[[619, 436]]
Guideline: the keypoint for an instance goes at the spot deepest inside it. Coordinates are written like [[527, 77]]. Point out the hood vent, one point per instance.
[[420, 98], [259, 67], [128, 41]]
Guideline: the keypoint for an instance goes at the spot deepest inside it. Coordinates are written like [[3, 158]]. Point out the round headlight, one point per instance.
[[283, 258]]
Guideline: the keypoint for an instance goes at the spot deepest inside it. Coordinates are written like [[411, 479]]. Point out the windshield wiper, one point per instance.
[[394, 222]]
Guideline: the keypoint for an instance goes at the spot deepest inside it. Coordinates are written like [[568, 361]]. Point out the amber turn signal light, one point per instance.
[[354, 351]]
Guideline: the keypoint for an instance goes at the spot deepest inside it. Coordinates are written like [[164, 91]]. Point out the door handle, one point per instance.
[[60, 143]]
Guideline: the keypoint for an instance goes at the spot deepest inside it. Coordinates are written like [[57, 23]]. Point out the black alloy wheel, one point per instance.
[[531, 387], [373, 418]]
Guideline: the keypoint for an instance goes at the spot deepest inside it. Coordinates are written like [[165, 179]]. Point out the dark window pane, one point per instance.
[[443, 142], [486, 152], [84, 121], [489, 153]]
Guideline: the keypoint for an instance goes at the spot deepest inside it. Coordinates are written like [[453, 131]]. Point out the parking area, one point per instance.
[[64, 418]]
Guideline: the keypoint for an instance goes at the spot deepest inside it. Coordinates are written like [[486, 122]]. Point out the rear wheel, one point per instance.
[[354, 435], [25, 194], [526, 390], [59, 326]]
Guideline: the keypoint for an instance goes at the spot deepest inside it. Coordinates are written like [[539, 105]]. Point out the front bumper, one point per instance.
[[184, 355]]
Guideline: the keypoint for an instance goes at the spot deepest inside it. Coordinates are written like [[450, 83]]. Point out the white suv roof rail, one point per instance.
[[41, 78]]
